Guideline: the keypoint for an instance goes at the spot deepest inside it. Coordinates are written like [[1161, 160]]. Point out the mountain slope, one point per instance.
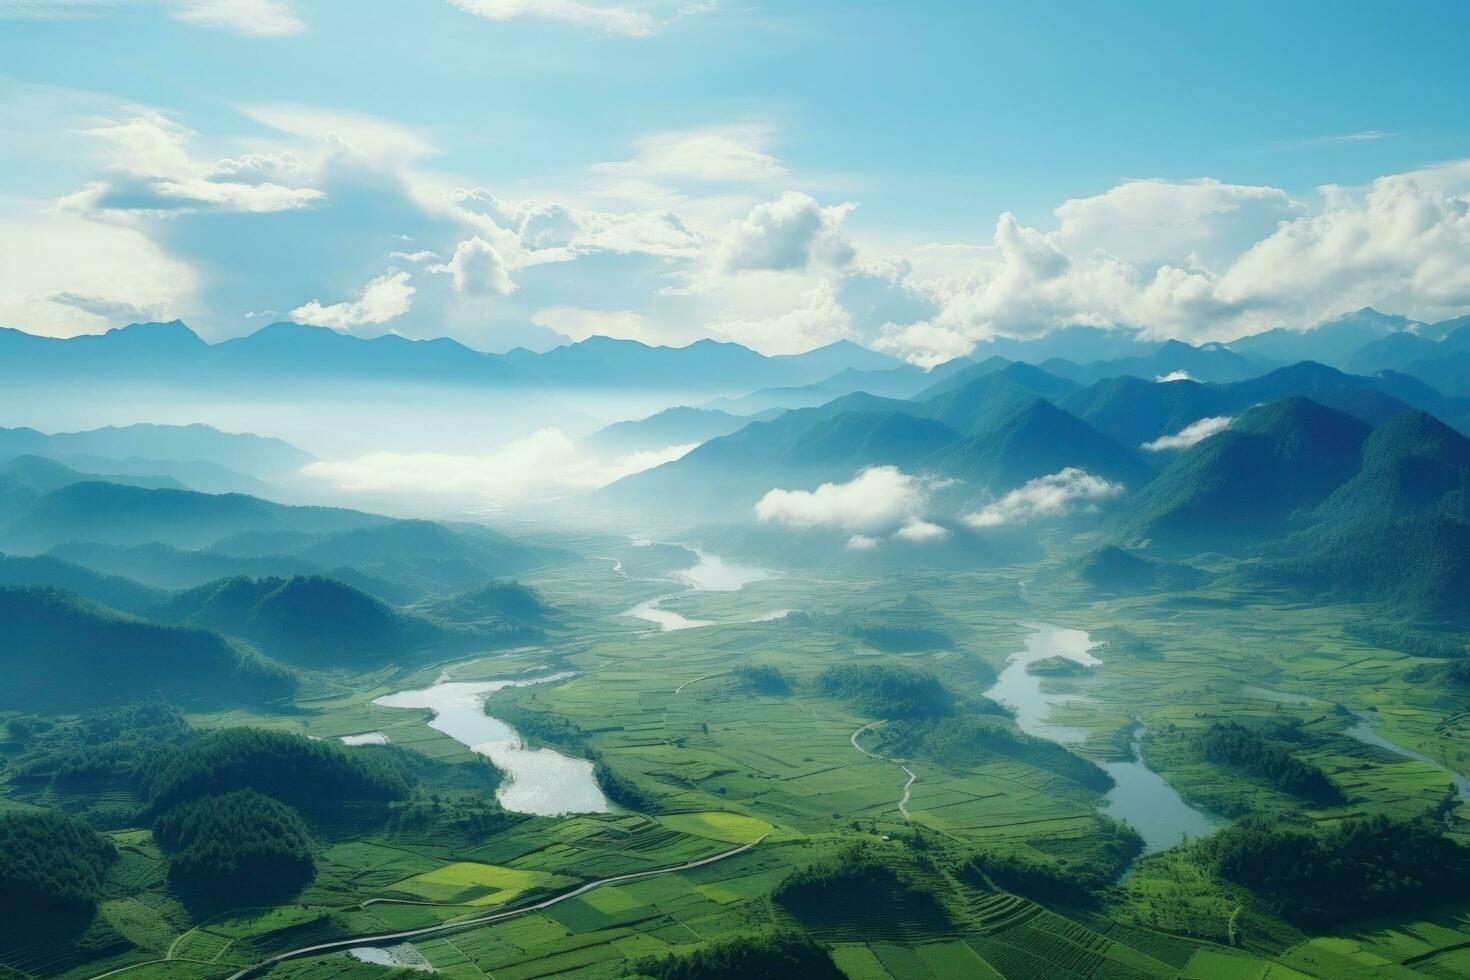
[[1242, 485], [1034, 441], [110, 513], [64, 652]]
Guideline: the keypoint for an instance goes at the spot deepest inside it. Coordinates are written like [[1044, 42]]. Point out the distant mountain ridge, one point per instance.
[[172, 354]]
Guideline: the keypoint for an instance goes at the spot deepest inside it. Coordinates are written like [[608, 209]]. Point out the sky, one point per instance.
[[914, 177]]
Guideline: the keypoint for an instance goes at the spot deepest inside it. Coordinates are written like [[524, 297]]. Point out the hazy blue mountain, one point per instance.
[[1358, 396], [670, 427], [962, 375], [1447, 368], [706, 365], [426, 555], [1033, 441], [285, 353], [1391, 352], [1442, 329], [111, 513], [982, 401], [1243, 485], [1134, 411], [256, 455], [52, 572], [764, 401], [24, 480], [65, 652], [286, 349], [800, 449], [1330, 342], [162, 566], [1209, 362], [1076, 343]]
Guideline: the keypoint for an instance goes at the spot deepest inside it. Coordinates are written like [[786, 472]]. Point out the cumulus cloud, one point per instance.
[[1180, 375], [154, 173], [62, 274], [544, 462], [877, 499], [715, 153], [389, 295], [1195, 432], [816, 318], [1053, 495], [1205, 260], [921, 532], [632, 21], [863, 542], [476, 268], [791, 232], [261, 18]]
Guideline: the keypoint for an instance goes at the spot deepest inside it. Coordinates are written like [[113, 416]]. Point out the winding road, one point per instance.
[[341, 945], [908, 787]]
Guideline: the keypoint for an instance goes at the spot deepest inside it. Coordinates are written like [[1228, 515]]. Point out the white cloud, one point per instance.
[[389, 295], [629, 20], [877, 499], [1205, 260], [921, 532], [791, 232], [422, 255], [1180, 375], [476, 268], [863, 542], [817, 318], [62, 274], [715, 153], [154, 174], [1191, 434], [1053, 495], [261, 18], [528, 468]]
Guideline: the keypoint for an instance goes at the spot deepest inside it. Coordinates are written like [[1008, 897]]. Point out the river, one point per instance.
[[540, 781], [709, 573], [1139, 795]]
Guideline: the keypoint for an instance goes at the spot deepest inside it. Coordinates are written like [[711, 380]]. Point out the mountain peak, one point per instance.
[[173, 332]]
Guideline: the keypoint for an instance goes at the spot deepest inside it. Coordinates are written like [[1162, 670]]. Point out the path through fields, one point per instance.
[[908, 787]]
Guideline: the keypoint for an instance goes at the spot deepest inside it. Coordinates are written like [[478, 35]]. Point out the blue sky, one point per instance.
[[912, 176]]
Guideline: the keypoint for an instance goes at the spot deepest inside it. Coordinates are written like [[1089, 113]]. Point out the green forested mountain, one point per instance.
[[62, 651], [26, 479], [52, 572], [1241, 486], [305, 773], [240, 846], [303, 620], [50, 864], [1031, 442]]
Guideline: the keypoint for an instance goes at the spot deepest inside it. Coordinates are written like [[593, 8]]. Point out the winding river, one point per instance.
[[1139, 795], [709, 573], [540, 781]]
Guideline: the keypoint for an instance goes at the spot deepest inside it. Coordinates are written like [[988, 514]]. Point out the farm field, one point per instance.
[[717, 764]]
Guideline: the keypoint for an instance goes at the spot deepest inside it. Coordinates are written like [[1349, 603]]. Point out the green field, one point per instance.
[[725, 766]]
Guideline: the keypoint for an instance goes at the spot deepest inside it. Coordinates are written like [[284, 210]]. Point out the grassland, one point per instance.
[[728, 766]]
